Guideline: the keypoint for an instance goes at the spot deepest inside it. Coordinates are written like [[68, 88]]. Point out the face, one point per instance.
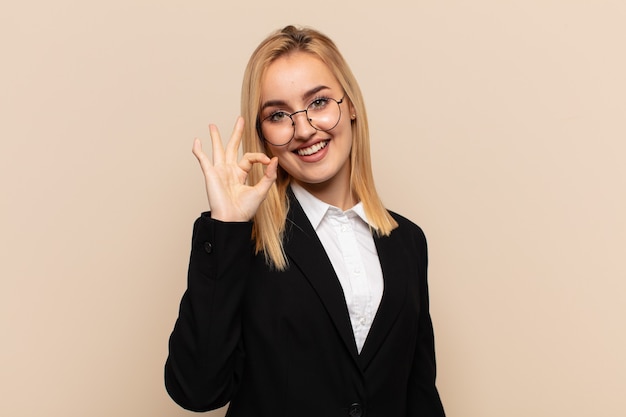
[[318, 160]]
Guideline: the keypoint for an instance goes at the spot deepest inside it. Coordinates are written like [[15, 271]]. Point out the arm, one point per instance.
[[423, 396], [203, 366], [204, 362]]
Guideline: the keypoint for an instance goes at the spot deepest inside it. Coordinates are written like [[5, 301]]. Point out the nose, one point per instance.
[[302, 129]]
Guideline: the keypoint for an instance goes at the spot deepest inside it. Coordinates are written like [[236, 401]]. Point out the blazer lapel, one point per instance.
[[392, 258], [305, 252]]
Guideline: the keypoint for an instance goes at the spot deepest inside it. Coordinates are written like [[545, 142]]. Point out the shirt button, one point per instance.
[[208, 248]]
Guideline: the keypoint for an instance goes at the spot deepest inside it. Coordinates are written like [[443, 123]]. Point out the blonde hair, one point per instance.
[[269, 221]]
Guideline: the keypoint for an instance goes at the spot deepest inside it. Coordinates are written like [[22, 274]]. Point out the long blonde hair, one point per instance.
[[269, 221]]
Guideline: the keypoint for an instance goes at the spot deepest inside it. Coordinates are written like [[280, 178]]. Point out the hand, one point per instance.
[[230, 198]]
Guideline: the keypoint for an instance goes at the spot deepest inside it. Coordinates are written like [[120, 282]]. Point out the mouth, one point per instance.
[[313, 149]]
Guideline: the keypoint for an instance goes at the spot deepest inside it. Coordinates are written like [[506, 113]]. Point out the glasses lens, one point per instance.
[[277, 129], [324, 113]]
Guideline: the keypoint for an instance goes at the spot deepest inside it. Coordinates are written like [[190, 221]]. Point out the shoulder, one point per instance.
[[407, 228], [409, 238]]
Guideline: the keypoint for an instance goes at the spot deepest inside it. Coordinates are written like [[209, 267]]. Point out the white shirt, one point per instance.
[[349, 244]]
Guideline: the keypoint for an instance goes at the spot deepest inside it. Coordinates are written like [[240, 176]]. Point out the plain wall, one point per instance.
[[498, 126]]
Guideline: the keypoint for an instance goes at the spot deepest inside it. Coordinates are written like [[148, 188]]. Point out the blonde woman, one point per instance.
[[305, 297]]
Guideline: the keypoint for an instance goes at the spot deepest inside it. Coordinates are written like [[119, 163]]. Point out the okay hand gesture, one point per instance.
[[230, 198]]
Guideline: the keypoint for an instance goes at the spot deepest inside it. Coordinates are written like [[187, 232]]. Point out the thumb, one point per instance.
[[269, 178]]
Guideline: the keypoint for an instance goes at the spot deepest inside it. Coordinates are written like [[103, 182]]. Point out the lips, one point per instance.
[[313, 149]]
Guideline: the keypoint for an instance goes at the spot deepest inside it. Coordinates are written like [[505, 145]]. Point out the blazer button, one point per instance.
[[355, 410], [208, 248]]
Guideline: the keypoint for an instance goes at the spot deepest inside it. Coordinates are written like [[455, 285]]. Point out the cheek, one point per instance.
[[347, 131]]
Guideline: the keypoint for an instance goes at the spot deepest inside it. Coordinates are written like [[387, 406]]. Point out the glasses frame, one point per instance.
[[293, 122]]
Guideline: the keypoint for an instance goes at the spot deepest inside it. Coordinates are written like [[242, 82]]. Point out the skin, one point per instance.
[[294, 80], [230, 198]]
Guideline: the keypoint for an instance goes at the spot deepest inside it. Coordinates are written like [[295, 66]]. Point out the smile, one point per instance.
[[313, 148]]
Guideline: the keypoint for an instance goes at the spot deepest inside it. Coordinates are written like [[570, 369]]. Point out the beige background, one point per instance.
[[499, 126]]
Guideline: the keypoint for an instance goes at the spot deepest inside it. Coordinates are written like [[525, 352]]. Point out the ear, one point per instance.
[[352, 111]]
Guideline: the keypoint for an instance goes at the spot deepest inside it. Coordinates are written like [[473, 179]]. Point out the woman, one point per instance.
[[324, 312]]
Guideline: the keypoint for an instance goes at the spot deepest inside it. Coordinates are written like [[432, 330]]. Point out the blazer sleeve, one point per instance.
[[205, 354], [423, 396]]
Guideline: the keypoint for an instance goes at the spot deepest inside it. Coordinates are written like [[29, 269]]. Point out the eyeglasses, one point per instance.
[[279, 128]]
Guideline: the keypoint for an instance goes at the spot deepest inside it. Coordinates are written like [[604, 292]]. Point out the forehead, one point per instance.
[[292, 75]]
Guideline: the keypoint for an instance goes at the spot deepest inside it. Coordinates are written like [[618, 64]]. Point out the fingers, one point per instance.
[[216, 141], [268, 179], [230, 155], [272, 170], [197, 148], [203, 159], [232, 147], [250, 159]]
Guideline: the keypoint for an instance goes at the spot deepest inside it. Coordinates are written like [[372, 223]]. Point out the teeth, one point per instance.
[[312, 149]]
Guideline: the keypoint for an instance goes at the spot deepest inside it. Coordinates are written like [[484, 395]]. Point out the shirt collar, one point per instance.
[[315, 209]]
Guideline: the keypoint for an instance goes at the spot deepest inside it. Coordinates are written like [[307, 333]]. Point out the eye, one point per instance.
[[277, 117], [319, 103]]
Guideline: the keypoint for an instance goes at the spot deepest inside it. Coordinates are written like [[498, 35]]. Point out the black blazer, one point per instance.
[[280, 344]]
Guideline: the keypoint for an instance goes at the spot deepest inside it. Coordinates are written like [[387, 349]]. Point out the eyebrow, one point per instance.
[[309, 93]]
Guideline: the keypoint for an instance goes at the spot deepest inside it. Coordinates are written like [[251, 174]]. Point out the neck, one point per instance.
[[336, 195]]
